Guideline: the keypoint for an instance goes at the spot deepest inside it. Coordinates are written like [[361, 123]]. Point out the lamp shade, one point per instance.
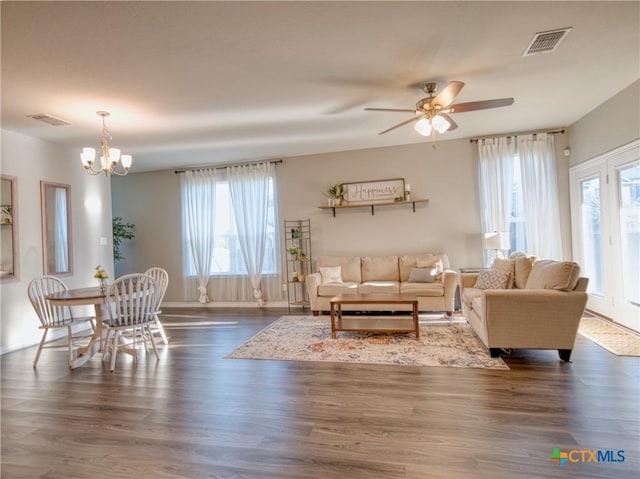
[[440, 124], [497, 240], [423, 126]]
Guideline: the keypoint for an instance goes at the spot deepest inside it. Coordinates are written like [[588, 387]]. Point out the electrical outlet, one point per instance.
[[284, 287], [103, 241]]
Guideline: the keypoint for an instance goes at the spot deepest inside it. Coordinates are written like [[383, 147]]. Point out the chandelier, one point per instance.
[[110, 158]]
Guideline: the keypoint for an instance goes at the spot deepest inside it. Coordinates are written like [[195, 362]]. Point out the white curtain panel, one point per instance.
[[495, 169], [234, 288], [200, 208], [249, 189], [61, 240], [540, 189]]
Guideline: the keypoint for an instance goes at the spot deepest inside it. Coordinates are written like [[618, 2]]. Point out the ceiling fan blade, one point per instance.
[[448, 94], [403, 110], [479, 105], [453, 124], [417, 117]]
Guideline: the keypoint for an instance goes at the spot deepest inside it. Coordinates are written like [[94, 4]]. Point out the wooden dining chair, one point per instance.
[[162, 281], [131, 303], [51, 316]]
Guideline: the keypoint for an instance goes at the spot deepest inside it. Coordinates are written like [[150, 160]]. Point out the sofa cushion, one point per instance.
[[422, 289], [334, 289], [507, 265], [422, 275], [379, 287], [350, 266], [492, 279], [523, 265], [407, 262], [331, 274], [380, 268], [469, 294], [549, 274]]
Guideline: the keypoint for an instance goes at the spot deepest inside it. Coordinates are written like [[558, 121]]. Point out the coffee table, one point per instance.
[[387, 324]]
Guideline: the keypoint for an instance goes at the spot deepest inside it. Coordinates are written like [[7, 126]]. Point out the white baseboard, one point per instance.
[[223, 304]]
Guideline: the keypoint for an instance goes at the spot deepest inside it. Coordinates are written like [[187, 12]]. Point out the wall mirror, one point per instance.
[[56, 228], [8, 227]]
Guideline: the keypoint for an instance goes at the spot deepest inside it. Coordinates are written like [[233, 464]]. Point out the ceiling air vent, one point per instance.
[[546, 42], [52, 120]]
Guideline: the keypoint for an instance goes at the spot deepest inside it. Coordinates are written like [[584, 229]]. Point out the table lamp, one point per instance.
[[497, 241]]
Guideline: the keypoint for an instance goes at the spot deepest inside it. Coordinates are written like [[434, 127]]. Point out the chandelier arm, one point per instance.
[[89, 169]]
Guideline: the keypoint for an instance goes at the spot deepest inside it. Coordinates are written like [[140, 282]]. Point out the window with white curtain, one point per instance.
[[519, 192], [227, 255]]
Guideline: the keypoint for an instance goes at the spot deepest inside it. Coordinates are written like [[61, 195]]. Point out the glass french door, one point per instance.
[[605, 209]]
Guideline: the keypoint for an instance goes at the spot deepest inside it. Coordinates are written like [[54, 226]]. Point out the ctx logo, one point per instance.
[[586, 455]]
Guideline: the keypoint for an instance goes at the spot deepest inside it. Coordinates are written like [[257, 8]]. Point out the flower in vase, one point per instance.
[[100, 273]]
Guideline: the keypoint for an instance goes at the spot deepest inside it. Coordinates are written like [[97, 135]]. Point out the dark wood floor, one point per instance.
[[197, 415]]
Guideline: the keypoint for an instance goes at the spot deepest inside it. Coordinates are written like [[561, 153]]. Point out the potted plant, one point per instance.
[[121, 231], [335, 193], [294, 252]]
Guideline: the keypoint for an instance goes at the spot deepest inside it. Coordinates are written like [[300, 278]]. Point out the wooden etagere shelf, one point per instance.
[[374, 205]]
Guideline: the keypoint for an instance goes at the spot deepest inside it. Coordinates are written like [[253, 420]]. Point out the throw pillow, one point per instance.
[[507, 265], [432, 263], [549, 274], [422, 275], [491, 279], [523, 270], [331, 274]]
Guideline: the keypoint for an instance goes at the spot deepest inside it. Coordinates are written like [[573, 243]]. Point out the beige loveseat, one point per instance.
[[426, 275], [538, 306]]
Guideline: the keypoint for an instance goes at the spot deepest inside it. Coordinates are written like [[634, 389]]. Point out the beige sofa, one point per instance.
[[538, 307], [426, 275]]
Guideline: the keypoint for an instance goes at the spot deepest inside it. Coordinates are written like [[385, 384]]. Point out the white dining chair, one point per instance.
[[52, 316], [131, 303], [162, 281]]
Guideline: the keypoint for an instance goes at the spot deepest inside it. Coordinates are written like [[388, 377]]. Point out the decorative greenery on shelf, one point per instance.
[[336, 191], [295, 251], [121, 231]]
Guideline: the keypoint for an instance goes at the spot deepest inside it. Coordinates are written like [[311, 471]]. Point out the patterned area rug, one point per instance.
[[614, 339], [308, 338]]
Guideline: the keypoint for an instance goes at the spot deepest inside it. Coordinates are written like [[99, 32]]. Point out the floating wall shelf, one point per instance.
[[373, 205]]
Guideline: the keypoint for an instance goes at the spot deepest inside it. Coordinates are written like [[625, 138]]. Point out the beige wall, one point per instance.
[[446, 175], [31, 161], [614, 123], [151, 201]]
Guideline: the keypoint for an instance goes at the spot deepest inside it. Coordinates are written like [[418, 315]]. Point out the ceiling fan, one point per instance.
[[432, 112]]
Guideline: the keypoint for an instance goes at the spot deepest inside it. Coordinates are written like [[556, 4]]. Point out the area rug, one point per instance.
[[308, 338], [613, 338]]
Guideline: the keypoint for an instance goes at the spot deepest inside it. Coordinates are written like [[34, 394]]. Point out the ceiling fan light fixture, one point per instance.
[[423, 126], [440, 124]]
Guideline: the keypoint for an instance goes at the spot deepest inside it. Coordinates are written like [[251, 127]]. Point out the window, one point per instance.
[[518, 192], [227, 254], [517, 219]]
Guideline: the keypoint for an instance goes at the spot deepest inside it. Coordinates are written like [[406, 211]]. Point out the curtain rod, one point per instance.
[[224, 165], [510, 135]]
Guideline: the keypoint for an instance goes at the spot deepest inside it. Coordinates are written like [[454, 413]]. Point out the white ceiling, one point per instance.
[[193, 83]]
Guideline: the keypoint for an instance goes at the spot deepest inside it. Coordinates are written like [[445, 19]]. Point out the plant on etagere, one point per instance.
[[294, 251]]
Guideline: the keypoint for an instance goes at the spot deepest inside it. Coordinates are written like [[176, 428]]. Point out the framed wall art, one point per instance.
[[377, 191]]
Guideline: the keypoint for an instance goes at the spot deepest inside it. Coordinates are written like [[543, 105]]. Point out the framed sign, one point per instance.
[[378, 191]]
